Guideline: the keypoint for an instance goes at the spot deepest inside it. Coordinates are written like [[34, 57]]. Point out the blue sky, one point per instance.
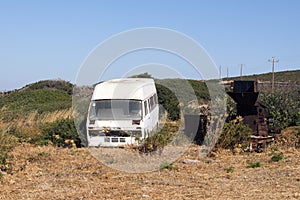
[[51, 39]]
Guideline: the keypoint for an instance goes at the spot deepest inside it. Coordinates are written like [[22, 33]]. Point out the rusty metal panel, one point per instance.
[[251, 121], [244, 98], [195, 127], [244, 86], [245, 94]]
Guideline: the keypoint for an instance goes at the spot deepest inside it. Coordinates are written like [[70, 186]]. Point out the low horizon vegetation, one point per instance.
[[49, 103]]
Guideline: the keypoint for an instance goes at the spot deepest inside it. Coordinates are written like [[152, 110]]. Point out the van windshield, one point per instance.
[[116, 109]]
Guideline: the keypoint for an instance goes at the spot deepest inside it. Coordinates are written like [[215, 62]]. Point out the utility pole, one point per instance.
[[241, 71], [227, 72], [273, 63], [220, 71]]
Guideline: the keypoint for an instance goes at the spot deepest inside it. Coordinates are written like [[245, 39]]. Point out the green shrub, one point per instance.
[[171, 91], [276, 157], [153, 143], [157, 141], [167, 165], [297, 118], [61, 133], [283, 107], [200, 89], [6, 145], [235, 134], [254, 164], [230, 170], [14, 130], [22, 135], [231, 110], [169, 101]]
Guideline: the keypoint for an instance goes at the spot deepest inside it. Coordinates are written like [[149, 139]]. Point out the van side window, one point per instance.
[[149, 104], [152, 102], [155, 98], [145, 107]]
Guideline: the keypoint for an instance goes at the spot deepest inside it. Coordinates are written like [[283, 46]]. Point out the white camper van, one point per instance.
[[122, 111]]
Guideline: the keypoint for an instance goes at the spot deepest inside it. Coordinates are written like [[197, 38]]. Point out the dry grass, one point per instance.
[[34, 118], [289, 137], [30, 125], [57, 173]]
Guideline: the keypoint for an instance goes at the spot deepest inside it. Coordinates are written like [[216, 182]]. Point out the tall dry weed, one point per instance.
[[34, 118], [53, 116]]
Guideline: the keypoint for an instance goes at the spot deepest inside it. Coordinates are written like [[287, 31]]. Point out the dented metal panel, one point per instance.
[[245, 94]]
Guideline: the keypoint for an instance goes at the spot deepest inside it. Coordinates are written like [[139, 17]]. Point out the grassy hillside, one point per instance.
[[186, 89], [50, 84], [283, 76], [41, 97], [53, 95]]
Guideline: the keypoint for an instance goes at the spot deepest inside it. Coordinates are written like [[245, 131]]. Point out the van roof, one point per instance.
[[125, 88]]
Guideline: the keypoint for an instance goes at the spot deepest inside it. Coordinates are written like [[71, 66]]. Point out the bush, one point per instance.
[[284, 108], [157, 141], [167, 165], [276, 157], [231, 110], [235, 134], [153, 143], [230, 170], [16, 132], [169, 101], [289, 137], [6, 145], [27, 135], [61, 133], [254, 164]]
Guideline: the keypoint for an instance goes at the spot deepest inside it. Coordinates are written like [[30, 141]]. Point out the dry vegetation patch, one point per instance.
[[59, 173]]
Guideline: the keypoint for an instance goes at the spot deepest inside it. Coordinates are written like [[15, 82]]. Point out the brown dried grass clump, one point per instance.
[[289, 137], [34, 118]]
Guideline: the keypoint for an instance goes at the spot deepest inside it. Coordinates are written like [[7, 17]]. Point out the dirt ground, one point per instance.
[[58, 173]]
